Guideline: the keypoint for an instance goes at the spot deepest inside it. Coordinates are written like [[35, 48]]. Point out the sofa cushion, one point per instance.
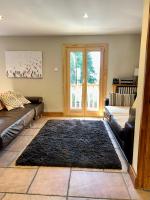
[[10, 101], [16, 113], [10, 127], [12, 122], [119, 115], [20, 97], [117, 110], [6, 122], [121, 119]]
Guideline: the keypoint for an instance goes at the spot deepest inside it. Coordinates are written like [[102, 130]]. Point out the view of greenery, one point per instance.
[[76, 61]]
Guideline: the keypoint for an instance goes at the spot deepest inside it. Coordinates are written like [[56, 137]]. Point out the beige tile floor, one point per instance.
[[59, 183]]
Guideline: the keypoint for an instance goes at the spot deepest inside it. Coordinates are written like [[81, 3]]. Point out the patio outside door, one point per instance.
[[84, 75]]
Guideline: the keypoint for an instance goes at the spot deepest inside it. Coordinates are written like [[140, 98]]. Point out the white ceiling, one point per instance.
[[65, 17]]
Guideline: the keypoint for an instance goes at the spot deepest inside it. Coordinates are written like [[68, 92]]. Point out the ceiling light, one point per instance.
[[85, 16]]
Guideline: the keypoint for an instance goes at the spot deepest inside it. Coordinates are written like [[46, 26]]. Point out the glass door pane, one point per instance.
[[76, 79], [93, 80]]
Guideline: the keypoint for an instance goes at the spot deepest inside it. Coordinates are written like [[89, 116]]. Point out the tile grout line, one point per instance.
[[32, 180], [95, 198], [87, 170], [77, 197], [102, 171], [69, 183], [20, 167], [3, 196], [126, 185], [80, 170], [34, 194]]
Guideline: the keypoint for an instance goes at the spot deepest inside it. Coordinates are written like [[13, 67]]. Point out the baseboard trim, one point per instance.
[[53, 114], [132, 175]]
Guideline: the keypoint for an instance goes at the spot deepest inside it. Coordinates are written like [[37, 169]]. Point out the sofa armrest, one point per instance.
[[35, 100], [132, 114], [128, 141], [107, 102], [129, 125]]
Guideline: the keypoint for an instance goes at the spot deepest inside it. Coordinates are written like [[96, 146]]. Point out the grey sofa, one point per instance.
[[14, 121], [122, 122]]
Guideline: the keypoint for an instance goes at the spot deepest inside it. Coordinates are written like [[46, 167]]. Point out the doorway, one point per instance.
[[85, 77]]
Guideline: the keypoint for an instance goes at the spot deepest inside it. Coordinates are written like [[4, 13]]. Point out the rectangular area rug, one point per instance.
[[71, 143]]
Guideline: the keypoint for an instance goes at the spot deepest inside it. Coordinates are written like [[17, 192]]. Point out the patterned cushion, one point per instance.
[[10, 101], [1, 106], [20, 97]]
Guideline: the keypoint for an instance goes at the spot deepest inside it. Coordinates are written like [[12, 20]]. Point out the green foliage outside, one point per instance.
[[76, 61]]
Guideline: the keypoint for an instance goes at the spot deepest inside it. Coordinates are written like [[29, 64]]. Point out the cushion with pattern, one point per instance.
[[10, 101], [21, 98]]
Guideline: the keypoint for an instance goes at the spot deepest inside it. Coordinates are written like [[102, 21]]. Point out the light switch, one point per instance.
[[55, 69]]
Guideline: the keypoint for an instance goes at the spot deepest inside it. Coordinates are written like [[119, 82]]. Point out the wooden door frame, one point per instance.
[[104, 47], [142, 179]]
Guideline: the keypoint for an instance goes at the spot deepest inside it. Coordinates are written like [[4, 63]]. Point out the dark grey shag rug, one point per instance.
[[71, 143]]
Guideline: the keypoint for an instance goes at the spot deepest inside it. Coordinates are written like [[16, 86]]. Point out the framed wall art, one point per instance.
[[23, 64]]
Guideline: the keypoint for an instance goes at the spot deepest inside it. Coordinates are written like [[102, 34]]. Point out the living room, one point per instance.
[[50, 33]]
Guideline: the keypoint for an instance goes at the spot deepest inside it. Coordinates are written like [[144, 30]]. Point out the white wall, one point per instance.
[[123, 57], [141, 80]]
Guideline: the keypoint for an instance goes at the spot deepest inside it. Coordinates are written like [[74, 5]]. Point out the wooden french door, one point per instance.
[[84, 80]]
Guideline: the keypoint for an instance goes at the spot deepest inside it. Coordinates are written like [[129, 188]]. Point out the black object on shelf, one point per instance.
[[115, 80]]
